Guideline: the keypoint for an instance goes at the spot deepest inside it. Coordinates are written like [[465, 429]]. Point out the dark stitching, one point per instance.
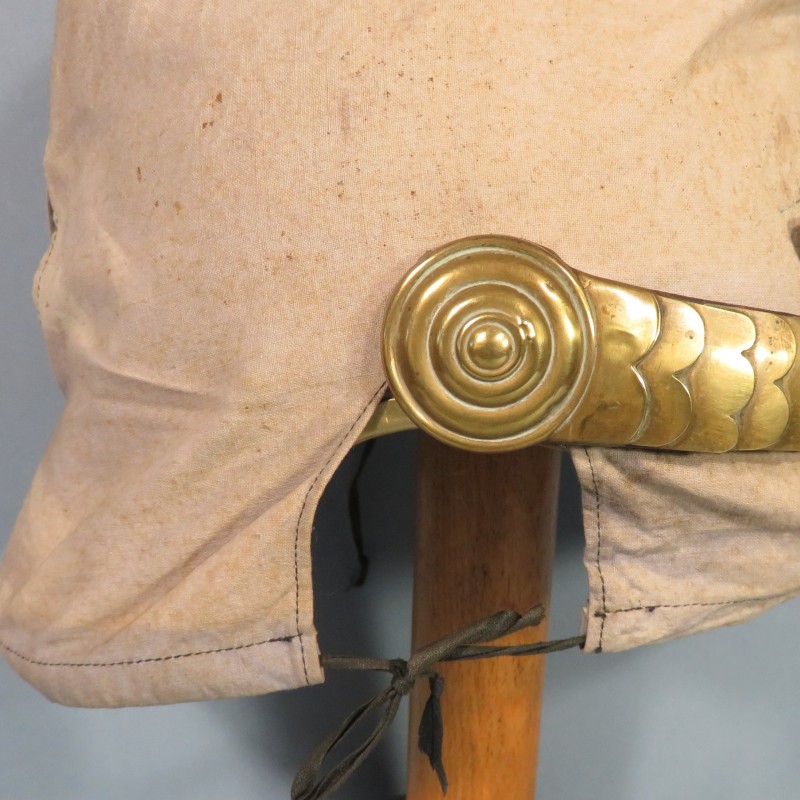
[[143, 660], [232, 648], [300, 518], [597, 559], [652, 608], [44, 266]]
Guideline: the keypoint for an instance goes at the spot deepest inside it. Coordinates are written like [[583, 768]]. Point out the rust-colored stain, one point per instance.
[[156, 204], [344, 115], [178, 207], [139, 174], [209, 124], [218, 98]]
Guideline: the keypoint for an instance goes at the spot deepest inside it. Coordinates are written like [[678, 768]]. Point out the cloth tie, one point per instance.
[[466, 643]]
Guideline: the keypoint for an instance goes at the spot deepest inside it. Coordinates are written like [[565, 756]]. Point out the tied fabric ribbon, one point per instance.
[[467, 643], [356, 525]]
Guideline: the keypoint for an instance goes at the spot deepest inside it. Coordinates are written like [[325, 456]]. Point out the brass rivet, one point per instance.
[[488, 348]]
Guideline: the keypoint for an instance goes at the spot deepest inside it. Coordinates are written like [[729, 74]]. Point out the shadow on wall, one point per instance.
[[375, 619], [30, 401]]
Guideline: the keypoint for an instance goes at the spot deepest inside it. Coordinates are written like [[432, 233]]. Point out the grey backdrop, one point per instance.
[[713, 716]]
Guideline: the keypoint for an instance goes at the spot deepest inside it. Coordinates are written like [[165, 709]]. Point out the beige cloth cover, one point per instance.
[[237, 185]]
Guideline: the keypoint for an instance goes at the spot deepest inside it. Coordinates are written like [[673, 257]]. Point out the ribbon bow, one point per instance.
[[459, 645]]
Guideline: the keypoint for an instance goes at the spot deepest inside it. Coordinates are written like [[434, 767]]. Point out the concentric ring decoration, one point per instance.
[[489, 343]]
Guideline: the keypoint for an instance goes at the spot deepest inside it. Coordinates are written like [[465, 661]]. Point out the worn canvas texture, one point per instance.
[[237, 186]]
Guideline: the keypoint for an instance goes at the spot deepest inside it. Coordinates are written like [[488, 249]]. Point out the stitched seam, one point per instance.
[[694, 605], [232, 648], [300, 519], [142, 660], [597, 555], [44, 266]]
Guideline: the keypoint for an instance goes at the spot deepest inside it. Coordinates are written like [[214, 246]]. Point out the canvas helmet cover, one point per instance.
[[237, 188]]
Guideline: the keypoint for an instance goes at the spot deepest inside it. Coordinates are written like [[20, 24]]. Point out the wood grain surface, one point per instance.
[[485, 541]]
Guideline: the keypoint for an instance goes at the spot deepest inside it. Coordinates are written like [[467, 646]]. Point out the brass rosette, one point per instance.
[[489, 343]]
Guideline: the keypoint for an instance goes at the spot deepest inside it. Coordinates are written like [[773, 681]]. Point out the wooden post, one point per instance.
[[485, 541]]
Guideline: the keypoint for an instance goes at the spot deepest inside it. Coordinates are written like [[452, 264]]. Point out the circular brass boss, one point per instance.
[[488, 343]]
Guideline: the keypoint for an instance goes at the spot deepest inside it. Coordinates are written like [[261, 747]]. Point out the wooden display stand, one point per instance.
[[485, 542]]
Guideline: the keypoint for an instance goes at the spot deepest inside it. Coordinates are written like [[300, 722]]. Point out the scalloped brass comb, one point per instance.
[[492, 343]]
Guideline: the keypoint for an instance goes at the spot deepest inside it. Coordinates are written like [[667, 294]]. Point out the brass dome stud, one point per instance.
[[488, 348]]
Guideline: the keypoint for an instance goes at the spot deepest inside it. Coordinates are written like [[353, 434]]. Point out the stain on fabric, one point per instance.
[[344, 115]]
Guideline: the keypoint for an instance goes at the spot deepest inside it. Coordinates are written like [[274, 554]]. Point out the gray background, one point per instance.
[[713, 716]]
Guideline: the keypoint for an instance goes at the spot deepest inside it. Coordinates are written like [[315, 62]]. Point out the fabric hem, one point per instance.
[[614, 629], [235, 671], [304, 603], [133, 662], [241, 666]]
